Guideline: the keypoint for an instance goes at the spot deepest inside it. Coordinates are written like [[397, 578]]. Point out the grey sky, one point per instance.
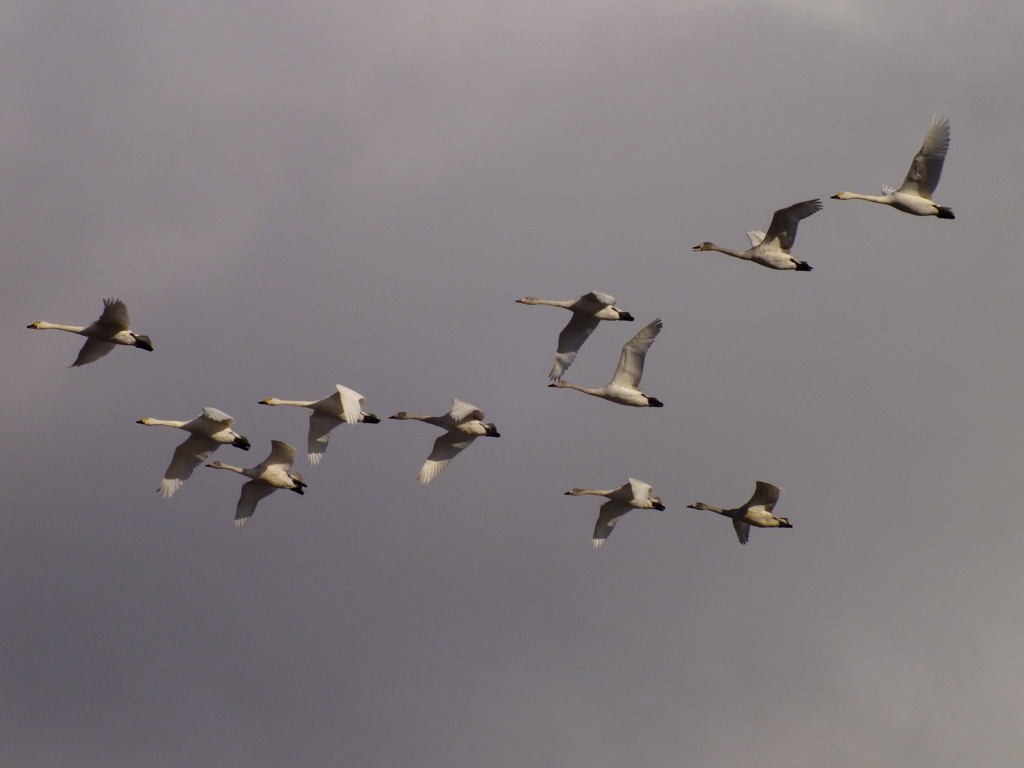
[[293, 196]]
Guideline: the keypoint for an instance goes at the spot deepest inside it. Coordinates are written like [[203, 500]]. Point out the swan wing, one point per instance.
[[765, 496], [923, 177], [609, 515], [756, 237], [785, 220], [446, 447], [742, 530], [252, 492], [631, 360], [462, 411], [351, 404], [570, 340], [92, 350], [218, 418], [594, 301], [115, 315], [281, 455], [320, 426], [641, 493], [187, 456]]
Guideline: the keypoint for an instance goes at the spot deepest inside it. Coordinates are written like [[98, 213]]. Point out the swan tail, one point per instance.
[[945, 212], [803, 266]]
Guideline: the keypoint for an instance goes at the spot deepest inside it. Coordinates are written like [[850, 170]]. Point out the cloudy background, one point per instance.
[[290, 196]]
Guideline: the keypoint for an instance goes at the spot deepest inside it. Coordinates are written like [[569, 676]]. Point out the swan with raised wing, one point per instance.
[[463, 424], [343, 406], [587, 311], [915, 194], [266, 477], [771, 249], [757, 512], [623, 388], [111, 329], [208, 431], [634, 494]]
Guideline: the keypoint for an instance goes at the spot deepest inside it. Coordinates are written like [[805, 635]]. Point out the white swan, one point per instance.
[[266, 477], [111, 329], [772, 249], [587, 311], [463, 424], [756, 512], [342, 406], [915, 195], [634, 494], [622, 388], [209, 430]]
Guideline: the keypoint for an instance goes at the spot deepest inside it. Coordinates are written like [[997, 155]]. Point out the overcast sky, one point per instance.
[[290, 196]]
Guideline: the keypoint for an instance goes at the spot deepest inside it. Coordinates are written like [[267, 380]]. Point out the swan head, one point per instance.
[[705, 246], [575, 492], [143, 342], [34, 325], [216, 465], [400, 415], [524, 300], [268, 401], [698, 505], [560, 384], [839, 196], [140, 421], [784, 523], [240, 442]]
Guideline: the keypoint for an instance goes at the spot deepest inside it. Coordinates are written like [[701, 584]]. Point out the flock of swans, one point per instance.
[[464, 422]]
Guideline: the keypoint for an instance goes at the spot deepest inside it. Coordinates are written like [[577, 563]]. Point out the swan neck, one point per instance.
[[59, 327], [162, 423]]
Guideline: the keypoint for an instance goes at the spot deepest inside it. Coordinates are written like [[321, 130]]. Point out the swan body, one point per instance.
[[266, 477], [915, 194], [757, 512], [623, 388], [634, 494], [343, 406], [587, 311], [112, 328], [771, 249], [463, 424], [208, 431]]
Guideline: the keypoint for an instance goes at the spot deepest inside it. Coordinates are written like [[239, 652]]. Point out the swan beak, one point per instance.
[[838, 196], [264, 402]]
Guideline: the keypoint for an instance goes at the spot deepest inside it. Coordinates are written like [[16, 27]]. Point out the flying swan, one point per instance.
[[634, 494], [587, 311], [915, 195], [209, 430], [344, 406], [756, 512], [111, 329], [772, 249], [463, 424], [266, 477], [622, 388]]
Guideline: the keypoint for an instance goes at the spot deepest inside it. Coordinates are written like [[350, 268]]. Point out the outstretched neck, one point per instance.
[[562, 384], [701, 505], [161, 423], [546, 302], [279, 401], [44, 326], [222, 465], [589, 492], [745, 255], [883, 199]]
